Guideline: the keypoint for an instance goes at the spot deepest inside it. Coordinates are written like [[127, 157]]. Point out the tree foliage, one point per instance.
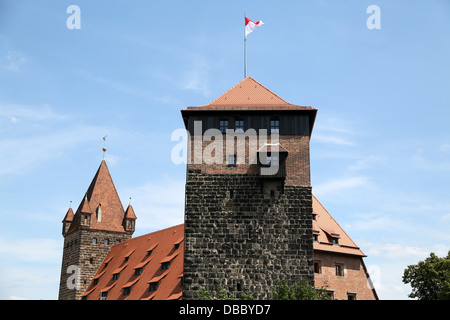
[[429, 279], [300, 290]]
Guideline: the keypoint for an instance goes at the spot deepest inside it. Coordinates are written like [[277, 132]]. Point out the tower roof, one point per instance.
[[102, 192], [129, 213], [69, 215], [249, 94]]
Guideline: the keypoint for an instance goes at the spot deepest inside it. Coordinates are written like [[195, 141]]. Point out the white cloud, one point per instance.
[[322, 138], [31, 250], [13, 60], [339, 186], [18, 112], [196, 78], [158, 204]]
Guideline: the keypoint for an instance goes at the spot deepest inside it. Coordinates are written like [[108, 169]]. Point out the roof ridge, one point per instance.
[[237, 97]]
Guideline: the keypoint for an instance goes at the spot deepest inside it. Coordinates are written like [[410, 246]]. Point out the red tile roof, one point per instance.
[[248, 94], [102, 192], [131, 255], [69, 216], [326, 228], [166, 246]]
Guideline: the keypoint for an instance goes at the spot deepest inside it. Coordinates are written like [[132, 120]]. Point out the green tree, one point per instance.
[[300, 290], [429, 279]]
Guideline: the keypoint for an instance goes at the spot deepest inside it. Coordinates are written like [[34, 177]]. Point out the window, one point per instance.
[[153, 286], [104, 295], [91, 260], [274, 126], [351, 296], [232, 160], [334, 240], [223, 125], [317, 267], [165, 265], [272, 195], [138, 271], [106, 241], [330, 294], [99, 213], [126, 291], [116, 276], [94, 240], [177, 245], [239, 126], [272, 160], [95, 282], [149, 253], [316, 237], [339, 269]]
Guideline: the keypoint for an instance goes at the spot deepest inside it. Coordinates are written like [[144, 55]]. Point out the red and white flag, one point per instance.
[[250, 25]]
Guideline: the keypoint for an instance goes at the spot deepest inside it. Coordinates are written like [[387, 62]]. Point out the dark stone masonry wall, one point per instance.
[[238, 237]]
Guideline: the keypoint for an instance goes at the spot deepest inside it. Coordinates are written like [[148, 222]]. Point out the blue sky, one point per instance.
[[380, 149]]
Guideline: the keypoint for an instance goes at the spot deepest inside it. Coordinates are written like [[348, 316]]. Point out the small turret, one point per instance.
[[129, 220], [85, 214], [67, 221]]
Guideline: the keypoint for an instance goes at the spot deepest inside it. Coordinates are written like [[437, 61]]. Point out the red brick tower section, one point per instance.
[[246, 228], [99, 222]]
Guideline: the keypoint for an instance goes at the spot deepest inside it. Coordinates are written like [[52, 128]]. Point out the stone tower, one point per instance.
[[99, 222], [248, 213]]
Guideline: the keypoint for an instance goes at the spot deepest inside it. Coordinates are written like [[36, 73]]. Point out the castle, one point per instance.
[[251, 219]]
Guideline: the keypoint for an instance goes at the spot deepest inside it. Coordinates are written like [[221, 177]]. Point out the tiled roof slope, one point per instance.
[[153, 252], [326, 228], [101, 192], [248, 94], [167, 246]]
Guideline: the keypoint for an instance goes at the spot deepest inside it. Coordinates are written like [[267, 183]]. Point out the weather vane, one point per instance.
[[104, 146]]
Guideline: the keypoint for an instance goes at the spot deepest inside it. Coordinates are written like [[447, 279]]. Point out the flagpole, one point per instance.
[[245, 51]]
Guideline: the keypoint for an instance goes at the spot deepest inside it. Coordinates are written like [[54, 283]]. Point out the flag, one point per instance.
[[250, 25]]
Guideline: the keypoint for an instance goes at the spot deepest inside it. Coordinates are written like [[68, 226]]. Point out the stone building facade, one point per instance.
[[245, 229], [99, 222]]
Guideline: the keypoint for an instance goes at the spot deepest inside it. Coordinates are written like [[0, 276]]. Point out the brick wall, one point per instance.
[[297, 161], [353, 280]]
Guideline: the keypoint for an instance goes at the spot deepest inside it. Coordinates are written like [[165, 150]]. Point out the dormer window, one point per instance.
[[138, 271], [126, 291], [153, 286], [165, 265]]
